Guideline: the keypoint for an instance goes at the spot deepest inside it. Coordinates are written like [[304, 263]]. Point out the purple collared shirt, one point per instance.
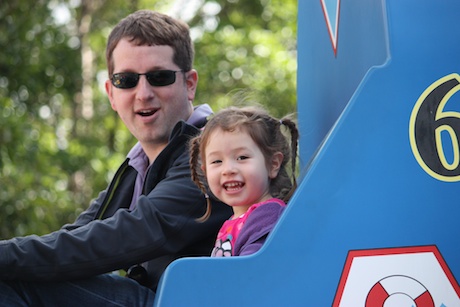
[[140, 162]]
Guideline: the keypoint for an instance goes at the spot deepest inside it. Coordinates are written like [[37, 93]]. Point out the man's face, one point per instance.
[[150, 112]]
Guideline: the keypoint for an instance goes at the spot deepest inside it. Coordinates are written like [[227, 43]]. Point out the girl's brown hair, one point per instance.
[[267, 133]]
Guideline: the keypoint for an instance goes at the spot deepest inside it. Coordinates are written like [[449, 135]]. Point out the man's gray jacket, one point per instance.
[[108, 236]]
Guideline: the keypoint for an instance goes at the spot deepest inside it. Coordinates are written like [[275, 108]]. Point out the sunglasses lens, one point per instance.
[[161, 77], [155, 78], [125, 80]]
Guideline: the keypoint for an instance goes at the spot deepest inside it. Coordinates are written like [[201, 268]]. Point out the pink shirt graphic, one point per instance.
[[255, 232]]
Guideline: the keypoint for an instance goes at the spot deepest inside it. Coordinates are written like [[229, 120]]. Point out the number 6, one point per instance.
[[429, 123]]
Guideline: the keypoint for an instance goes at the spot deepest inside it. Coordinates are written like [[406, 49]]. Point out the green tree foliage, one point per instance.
[[60, 141], [248, 44]]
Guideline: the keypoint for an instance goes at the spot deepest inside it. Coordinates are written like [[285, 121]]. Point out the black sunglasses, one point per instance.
[[155, 78]]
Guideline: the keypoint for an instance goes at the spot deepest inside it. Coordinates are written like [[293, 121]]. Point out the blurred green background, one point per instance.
[[60, 142]]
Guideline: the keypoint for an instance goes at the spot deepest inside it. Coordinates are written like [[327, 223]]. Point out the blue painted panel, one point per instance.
[[365, 188], [326, 81]]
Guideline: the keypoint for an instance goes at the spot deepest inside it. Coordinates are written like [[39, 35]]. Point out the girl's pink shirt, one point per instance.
[[231, 228]]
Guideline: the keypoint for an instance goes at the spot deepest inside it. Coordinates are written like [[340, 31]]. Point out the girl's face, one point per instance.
[[236, 169]]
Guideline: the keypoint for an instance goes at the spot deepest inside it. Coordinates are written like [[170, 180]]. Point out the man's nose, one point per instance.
[[143, 88]]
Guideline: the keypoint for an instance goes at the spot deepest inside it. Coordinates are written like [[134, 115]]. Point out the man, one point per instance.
[[146, 218]]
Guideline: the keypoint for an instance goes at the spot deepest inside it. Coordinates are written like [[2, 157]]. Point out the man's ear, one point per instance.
[[109, 91], [275, 164], [191, 80]]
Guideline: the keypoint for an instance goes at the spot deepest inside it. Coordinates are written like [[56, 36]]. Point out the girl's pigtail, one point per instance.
[[294, 132], [197, 176]]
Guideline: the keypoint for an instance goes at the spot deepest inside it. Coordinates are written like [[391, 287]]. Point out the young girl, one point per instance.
[[244, 157]]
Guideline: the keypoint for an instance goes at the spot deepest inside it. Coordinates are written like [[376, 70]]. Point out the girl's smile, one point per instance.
[[236, 170]]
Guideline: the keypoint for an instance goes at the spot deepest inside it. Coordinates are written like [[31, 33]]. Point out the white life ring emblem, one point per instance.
[[399, 291]]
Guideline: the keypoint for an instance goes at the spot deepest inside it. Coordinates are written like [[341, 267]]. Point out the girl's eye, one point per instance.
[[242, 158], [216, 161]]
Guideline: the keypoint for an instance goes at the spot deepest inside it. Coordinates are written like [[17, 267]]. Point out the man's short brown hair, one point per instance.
[[151, 28]]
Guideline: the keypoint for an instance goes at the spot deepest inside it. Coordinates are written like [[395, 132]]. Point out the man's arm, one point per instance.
[[89, 214], [163, 223], [126, 177]]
